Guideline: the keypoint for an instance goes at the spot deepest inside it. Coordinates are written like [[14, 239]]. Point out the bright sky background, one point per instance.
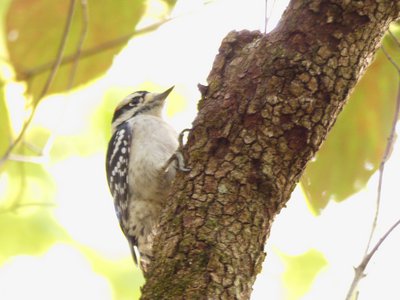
[[189, 44]]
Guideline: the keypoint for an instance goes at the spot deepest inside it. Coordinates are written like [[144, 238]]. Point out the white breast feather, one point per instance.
[[154, 142]]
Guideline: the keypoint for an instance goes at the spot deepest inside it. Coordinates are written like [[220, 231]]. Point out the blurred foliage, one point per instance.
[[118, 273], [170, 3], [5, 128], [355, 146], [26, 183], [35, 36], [28, 230], [301, 271], [28, 189], [96, 133]]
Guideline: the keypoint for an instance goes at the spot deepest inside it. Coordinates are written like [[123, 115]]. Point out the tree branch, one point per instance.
[[270, 103]]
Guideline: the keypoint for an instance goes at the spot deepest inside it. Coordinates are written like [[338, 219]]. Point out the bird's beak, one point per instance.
[[162, 96]]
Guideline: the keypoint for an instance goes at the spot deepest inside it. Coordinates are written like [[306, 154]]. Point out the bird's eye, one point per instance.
[[134, 102]]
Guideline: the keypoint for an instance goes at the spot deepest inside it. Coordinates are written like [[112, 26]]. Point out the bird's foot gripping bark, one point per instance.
[[178, 156]]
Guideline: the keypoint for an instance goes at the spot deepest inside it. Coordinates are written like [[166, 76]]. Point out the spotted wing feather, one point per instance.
[[117, 169]]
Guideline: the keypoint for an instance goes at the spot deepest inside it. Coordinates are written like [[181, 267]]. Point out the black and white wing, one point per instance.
[[117, 169]]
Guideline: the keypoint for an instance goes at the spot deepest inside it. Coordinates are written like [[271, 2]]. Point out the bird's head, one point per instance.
[[139, 103]]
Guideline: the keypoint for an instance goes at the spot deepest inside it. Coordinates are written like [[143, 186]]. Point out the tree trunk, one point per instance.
[[270, 103]]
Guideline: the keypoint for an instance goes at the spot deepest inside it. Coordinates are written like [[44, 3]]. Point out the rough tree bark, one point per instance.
[[270, 103]]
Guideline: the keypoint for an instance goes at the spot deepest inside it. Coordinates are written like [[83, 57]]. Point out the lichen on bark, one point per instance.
[[270, 102]]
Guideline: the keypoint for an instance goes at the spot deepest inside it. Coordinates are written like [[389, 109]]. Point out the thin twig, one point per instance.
[[98, 48], [266, 14], [45, 152], [47, 84], [395, 65], [34, 159], [73, 58], [394, 38], [22, 186], [388, 150], [82, 38], [32, 147], [60, 52], [266, 17], [359, 271], [81, 54], [94, 50]]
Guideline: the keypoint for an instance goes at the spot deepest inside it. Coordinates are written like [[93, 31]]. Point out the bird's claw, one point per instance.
[[178, 156]]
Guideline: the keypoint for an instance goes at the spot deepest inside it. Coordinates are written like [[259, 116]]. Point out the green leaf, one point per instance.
[[28, 233], [124, 278], [26, 195], [170, 3], [5, 126], [4, 4], [101, 118], [301, 271], [35, 28], [97, 133], [5, 122], [94, 136], [26, 183], [354, 148]]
